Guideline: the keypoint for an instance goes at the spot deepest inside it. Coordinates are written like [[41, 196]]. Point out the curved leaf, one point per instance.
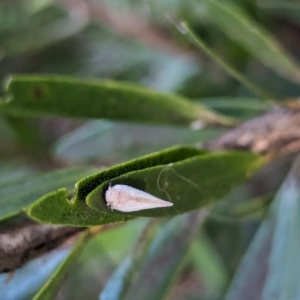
[[118, 141], [224, 64], [188, 177], [209, 265], [234, 22], [119, 283], [69, 97], [270, 268], [147, 283], [165, 257], [56, 208], [240, 108]]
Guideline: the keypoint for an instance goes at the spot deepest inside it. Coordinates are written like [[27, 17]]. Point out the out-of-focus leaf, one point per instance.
[[209, 265], [114, 287], [51, 287], [185, 29], [29, 137], [23, 283], [117, 142], [252, 206], [240, 108], [7, 138], [13, 170], [101, 255], [287, 9], [160, 265], [235, 22], [126, 235], [165, 257], [120, 281], [36, 33], [69, 97], [270, 268], [176, 174], [16, 14], [17, 194], [171, 72]]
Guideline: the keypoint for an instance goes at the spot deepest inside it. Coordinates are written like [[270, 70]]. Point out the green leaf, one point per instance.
[[126, 235], [40, 31], [225, 65], [76, 212], [270, 268], [240, 108], [17, 194], [14, 170], [166, 252], [165, 258], [209, 265], [101, 254], [188, 177], [97, 140], [69, 97], [51, 287], [234, 22], [119, 283], [284, 9]]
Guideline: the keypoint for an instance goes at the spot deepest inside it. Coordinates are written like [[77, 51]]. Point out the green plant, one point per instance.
[[217, 143]]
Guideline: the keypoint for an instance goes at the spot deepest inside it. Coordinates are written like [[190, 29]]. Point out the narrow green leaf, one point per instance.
[[270, 269], [209, 265], [119, 283], [113, 290], [234, 22], [14, 170], [165, 258], [97, 140], [287, 9], [17, 194], [188, 177], [69, 97], [147, 283], [277, 4], [51, 287], [280, 5], [239, 108], [102, 253], [226, 66]]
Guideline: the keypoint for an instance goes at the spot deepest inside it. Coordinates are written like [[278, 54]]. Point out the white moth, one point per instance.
[[126, 199]]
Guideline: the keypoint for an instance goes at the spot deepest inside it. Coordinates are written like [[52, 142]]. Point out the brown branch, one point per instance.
[[276, 133], [24, 240]]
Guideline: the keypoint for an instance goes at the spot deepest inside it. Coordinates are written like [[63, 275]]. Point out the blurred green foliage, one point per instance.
[[191, 256]]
